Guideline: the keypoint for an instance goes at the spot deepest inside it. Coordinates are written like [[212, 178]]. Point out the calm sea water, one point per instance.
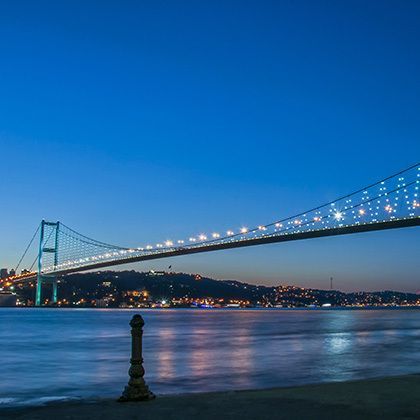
[[48, 354]]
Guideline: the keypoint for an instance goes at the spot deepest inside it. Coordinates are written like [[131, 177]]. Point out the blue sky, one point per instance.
[[134, 122]]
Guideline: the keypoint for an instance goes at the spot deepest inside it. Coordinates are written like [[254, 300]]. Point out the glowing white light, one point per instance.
[[192, 239], [244, 230], [362, 212], [202, 237], [169, 243], [338, 215], [215, 235], [262, 228], [278, 225], [229, 233]]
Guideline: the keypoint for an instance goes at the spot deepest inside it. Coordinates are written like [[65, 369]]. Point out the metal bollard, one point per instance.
[[136, 390]]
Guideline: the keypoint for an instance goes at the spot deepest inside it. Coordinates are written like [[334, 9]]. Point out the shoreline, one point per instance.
[[389, 397], [295, 308]]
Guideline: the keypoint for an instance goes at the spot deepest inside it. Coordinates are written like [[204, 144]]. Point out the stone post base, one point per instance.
[[141, 393]]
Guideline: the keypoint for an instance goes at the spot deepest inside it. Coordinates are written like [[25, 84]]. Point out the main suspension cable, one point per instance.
[[27, 248], [91, 241]]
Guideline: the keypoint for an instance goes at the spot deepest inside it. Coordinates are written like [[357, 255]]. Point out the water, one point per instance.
[[49, 354]]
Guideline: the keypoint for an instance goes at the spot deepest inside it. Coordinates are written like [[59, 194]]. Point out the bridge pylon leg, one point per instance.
[[54, 291], [38, 291]]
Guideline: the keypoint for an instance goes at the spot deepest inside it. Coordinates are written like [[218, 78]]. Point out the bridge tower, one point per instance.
[[48, 244]]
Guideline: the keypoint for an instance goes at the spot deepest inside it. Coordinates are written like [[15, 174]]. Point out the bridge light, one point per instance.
[[244, 230], [202, 237], [169, 243], [278, 225], [215, 235], [338, 215], [362, 212], [317, 219], [229, 233], [262, 228], [192, 239]]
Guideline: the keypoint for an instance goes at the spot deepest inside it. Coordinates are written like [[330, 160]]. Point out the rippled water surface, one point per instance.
[[68, 353]]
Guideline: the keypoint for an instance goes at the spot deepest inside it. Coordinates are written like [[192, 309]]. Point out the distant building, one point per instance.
[[101, 303], [12, 272], [7, 299], [156, 273], [4, 272]]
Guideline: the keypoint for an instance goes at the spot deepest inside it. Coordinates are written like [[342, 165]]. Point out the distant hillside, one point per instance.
[[132, 288], [162, 285]]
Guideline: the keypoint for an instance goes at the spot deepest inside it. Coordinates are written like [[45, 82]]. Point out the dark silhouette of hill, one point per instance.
[[162, 285]]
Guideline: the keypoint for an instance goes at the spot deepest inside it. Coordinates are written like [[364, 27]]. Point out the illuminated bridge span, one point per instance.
[[390, 203]]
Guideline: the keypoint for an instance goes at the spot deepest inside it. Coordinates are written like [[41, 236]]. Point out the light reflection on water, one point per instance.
[[53, 353]]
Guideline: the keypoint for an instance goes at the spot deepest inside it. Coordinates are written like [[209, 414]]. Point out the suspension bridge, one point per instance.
[[392, 202]]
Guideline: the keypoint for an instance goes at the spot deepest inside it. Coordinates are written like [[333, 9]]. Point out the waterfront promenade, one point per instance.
[[385, 398]]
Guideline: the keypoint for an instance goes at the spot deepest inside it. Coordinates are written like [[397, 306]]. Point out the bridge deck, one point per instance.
[[394, 224]]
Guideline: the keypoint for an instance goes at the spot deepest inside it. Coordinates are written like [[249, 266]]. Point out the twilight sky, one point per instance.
[[140, 121]]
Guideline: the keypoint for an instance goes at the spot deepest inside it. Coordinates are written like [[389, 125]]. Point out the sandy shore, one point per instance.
[[389, 398]]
